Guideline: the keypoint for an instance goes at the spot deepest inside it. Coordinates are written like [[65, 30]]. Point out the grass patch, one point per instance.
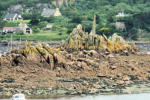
[[19, 21], [47, 35]]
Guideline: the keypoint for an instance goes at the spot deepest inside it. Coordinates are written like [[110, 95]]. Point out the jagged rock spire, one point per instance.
[[94, 25]]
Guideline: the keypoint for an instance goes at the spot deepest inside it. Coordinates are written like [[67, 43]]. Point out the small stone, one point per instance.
[[113, 67], [93, 52], [119, 74], [125, 53], [96, 86], [101, 75], [92, 90], [107, 53], [128, 82], [120, 82], [83, 64], [85, 83], [126, 78], [110, 56]]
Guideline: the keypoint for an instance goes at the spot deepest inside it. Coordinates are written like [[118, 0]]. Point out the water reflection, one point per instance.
[[6, 48]]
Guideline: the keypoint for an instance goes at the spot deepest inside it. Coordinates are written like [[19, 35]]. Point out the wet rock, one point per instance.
[[93, 90], [1, 89], [126, 78], [128, 82], [85, 83], [8, 80], [96, 86], [120, 82]]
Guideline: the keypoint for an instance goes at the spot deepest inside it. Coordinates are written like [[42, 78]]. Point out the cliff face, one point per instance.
[[60, 3]]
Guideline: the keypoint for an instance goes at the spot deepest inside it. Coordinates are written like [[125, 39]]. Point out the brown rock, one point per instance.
[[50, 60], [96, 86], [110, 56], [120, 82], [33, 57], [83, 64], [128, 82], [80, 53], [93, 52], [126, 78], [126, 53], [101, 75], [85, 83], [92, 90], [59, 58], [113, 67], [107, 53]]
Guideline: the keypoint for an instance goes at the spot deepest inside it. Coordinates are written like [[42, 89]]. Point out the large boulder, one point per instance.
[[117, 38]]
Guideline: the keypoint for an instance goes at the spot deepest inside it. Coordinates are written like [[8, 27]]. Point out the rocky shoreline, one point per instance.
[[85, 64], [57, 92], [70, 74]]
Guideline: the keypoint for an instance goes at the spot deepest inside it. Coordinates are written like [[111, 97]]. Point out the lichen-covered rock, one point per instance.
[[117, 38], [79, 39]]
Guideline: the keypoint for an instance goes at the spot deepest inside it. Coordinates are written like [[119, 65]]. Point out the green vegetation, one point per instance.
[[136, 18], [15, 23], [40, 36]]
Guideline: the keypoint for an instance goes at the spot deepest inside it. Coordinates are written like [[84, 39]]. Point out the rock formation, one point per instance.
[[79, 39], [84, 64], [31, 69]]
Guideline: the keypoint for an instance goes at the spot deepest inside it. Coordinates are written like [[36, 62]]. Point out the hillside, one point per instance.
[[136, 15], [133, 25]]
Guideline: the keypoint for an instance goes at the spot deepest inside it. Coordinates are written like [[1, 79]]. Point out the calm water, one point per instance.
[[4, 49], [113, 97]]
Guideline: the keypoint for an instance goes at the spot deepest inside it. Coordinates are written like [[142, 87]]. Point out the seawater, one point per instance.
[[144, 96]]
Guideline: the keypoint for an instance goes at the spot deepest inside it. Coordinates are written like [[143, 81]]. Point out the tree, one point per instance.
[[34, 21]]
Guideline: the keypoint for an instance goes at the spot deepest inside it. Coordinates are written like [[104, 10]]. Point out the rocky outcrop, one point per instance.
[[84, 64], [42, 70], [80, 40]]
